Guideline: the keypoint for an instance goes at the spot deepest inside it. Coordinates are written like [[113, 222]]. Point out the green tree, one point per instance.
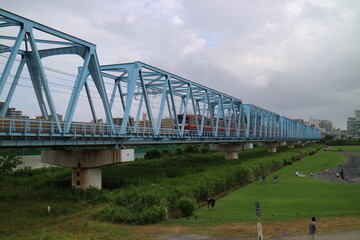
[[8, 161]]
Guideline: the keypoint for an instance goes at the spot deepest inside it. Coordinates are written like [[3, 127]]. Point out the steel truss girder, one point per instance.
[[215, 115], [32, 56]]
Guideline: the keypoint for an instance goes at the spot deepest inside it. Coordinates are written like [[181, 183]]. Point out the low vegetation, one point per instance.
[[175, 186], [165, 185]]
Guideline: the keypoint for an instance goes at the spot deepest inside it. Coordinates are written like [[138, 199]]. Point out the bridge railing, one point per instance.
[[38, 127]]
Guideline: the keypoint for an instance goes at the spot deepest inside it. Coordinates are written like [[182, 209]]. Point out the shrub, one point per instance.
[[165, 152], [152, 154], [8, 162], [178, 151], [204, 149], [186, 206], [191, 149]]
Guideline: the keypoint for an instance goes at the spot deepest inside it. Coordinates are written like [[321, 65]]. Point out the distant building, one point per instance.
[[167, 123], [144, 124], [13, 112], [118, 121], [325, 126], [353, 125], [60, 117], [314, 123]]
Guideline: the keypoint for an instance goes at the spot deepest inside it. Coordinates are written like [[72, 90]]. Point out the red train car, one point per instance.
[[190, 123]]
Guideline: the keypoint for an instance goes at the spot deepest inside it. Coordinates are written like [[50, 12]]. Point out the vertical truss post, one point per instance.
[[203, 114], [79, 83], [113, 93], [194, 110], [229, 118], [255, 122], [94, 69], [185, 110], [132, 78], [172, 120], [137, 120], [174, 107], [88, 93], [218, 116], [261, 114], [162, 106], [248, 112], [211, 112], [240, 119], [147, 101]]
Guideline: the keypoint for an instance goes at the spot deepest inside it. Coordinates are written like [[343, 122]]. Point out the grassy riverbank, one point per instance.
[[23, 204]]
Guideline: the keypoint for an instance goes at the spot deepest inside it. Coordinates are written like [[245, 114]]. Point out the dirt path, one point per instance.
[[351, 169]]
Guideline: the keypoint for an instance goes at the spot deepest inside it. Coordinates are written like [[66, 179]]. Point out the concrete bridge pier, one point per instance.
[[231, 149], [290, 144], [86, 164], [271, 146]]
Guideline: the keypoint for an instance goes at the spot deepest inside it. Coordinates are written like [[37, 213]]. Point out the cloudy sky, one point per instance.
[[299, 58]]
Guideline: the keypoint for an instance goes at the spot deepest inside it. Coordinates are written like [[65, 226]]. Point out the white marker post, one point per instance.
[[259, 226]]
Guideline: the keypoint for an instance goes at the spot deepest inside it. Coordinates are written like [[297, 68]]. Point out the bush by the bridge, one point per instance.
[[186, 206], [152, 154], [8, 162]]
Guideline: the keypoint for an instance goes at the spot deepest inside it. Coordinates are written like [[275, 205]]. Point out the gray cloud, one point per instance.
[[299, 58]]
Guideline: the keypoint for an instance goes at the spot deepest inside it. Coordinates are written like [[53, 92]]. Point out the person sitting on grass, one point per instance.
[[275, 179], [299, 174], [211, 203]]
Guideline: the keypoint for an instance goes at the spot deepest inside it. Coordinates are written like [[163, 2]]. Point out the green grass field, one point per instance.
[[291, 201], [292, 198]]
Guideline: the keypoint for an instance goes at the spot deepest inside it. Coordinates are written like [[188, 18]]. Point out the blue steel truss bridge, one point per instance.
[[127, 103]]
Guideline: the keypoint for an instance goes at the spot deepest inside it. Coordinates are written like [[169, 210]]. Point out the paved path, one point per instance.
[[351, 169], [348, 235]]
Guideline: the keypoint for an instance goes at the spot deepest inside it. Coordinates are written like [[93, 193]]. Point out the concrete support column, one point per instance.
[[86, 177], [290, 144], [248, 146], [271, 146], [86, 164], [272, 149], [230, 149], [231, 155]]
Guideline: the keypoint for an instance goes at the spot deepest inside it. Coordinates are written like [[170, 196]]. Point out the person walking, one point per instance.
[[211, 203], [342, 175], [313, 228]]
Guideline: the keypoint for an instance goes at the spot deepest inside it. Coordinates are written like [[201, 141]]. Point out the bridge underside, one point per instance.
[[113, 142]]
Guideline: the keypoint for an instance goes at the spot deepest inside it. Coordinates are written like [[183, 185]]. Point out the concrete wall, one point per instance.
[[86, 158]]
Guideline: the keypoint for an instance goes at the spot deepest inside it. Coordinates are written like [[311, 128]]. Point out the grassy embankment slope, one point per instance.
[[286, 205]]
